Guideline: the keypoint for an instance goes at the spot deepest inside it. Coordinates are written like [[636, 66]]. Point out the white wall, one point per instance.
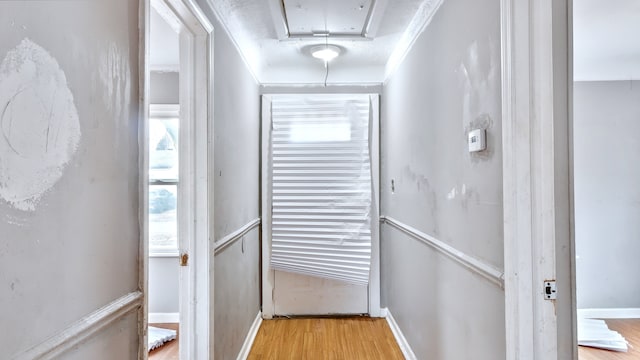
[[164, 290], [448, 84], [76, 249], [164, 87], [237, 298], [607, 196], [236, 175]]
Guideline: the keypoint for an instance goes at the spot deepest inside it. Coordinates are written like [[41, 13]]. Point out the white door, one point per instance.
[[320, 249]]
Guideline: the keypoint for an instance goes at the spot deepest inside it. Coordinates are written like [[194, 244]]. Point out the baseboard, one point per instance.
[[164, 318], [251, 336], [397, 333], [614, 313]]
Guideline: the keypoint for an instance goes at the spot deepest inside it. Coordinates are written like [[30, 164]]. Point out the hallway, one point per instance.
[[463, 239], [350, 338]]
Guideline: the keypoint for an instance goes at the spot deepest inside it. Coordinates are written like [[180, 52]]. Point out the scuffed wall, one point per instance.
[[69, 231], [236, 193], [237, 298], [606, 193], [447, 85]]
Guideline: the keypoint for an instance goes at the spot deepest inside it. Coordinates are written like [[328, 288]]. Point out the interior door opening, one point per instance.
[[177, 149], [320, 227], [605, 146], [164, 186]]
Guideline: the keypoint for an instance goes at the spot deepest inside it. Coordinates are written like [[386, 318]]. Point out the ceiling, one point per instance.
[[259, 27], [275, 37], [606, 40]]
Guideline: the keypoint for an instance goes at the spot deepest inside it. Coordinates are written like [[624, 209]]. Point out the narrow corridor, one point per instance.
[[323, 338]]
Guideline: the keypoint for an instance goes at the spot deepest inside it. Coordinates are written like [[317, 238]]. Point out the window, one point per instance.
[[164, 124], [321, 186]]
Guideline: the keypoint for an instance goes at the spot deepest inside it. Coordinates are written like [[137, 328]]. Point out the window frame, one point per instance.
[[165, 111]]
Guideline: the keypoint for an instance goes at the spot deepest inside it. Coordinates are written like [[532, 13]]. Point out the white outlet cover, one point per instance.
[[477, 140]]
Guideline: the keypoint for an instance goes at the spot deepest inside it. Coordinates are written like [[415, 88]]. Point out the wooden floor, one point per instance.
[[630, 329], [322, 338], [168, 351]]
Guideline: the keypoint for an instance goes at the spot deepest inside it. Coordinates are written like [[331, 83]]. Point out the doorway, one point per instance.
[[164, 181], [606, 147], [320, 205], [177, 152]]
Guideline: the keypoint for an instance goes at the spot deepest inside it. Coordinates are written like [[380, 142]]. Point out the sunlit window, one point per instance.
[[301, 132], [163, 180]]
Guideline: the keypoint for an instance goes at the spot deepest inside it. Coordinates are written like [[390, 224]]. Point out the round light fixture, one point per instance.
[[325, 52]]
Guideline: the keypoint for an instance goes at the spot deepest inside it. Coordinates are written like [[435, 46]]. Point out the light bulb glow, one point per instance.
[[326, 53]]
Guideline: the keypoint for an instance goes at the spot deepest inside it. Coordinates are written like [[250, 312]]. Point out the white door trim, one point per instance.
[[144, 8], [268, 275], [537, 246], [196, 160], [374, 275]]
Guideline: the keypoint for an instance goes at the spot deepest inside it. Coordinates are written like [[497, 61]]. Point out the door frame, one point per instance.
[[196, 161], [536, 126], [267, 274]]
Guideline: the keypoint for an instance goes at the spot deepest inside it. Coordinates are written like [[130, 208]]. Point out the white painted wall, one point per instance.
[[164, 87], [76, 248], [237, 297], [607, 196], [449, 83], [236, 193], [164, 290]]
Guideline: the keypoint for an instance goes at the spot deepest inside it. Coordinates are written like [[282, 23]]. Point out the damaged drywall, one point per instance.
[[69, 172], [448, 84], [39, 127]]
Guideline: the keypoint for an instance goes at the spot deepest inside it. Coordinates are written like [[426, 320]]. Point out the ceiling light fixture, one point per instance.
[[325, 52]]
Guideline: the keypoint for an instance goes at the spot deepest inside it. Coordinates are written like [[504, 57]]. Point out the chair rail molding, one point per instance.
[[228, 240], [473, 264], [84, 328]]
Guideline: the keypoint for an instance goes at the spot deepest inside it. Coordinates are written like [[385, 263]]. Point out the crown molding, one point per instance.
[[416, 27]]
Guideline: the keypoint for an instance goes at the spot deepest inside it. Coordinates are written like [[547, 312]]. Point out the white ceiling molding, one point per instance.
[[303, 19], [375, 18], [259, 31], [243, 49], [277, 13], [416, 27]]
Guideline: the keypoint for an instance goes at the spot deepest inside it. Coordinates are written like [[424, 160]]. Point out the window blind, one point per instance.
[[321, 186]]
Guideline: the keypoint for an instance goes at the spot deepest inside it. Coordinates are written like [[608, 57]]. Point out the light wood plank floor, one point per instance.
[[630, 329], [168, 351], [324, 338]]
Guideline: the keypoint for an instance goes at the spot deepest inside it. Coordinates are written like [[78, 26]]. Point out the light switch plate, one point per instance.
[[477, 140]]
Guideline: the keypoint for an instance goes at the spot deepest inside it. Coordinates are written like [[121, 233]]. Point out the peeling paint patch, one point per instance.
[[452, 194], [16, 221], [39, 126], [479, 79]]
